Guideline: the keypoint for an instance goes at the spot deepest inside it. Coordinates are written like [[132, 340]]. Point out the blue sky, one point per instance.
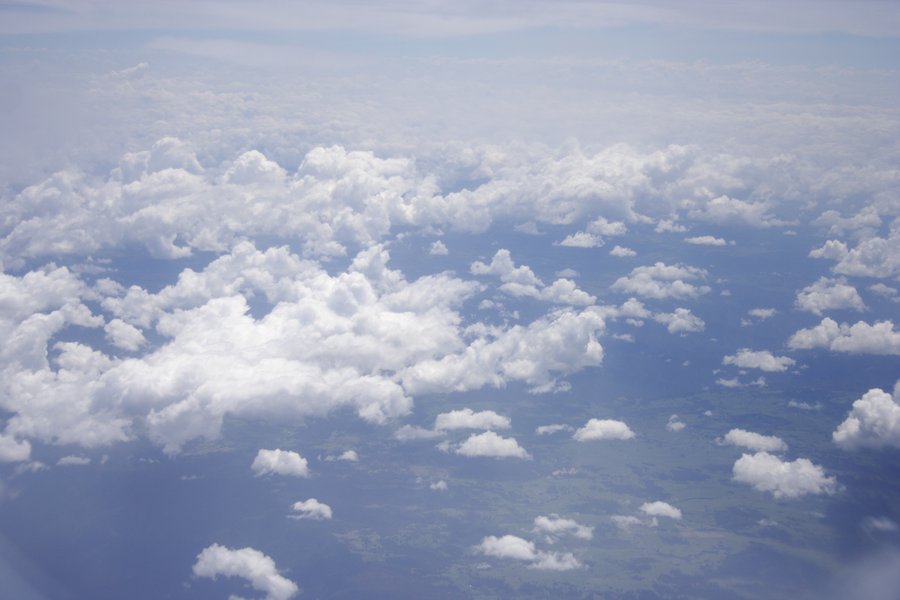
[[449, 299]]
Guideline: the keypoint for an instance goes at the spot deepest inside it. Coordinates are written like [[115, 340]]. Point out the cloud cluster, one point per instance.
[[661, 281], [516, 548], [555, 525], [247, 563], [829, 294], [873, 422], [522, 282], [491, 445]]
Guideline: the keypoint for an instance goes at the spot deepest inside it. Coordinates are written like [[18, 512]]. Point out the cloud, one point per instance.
[[860, 338], [247, 563], [280, 462], [725, 210], [582, 239], [492, 445], [758, 359], [603, 226], [554, 524], [762, 313], [783, 479], [661, 281], [73, 461], [516, 548], [550, 429], [439, 486], [123, 335], [736, 383], [660, 509], [829, 294], [468, 419], [622, 252], [706, 240], [522, 282], [311, 509], [438, 248], [13, 450], [603, 429], [754, 441], [680, 321], [674, 425], [626, 521], [347, 456], [872, 257], [873, 422]]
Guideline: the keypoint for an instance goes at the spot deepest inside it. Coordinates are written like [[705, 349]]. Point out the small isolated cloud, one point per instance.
[[783, 479], [737, 383], [516, 548], [674, 424], [438, 248], [12, 450], [626, 521], [492, 445], [601, 226], [311, 509], [873, 422], [860, 338], [123, 335], [582, 239], [603, 429], [469, 419], [556, 525], [73, 461], [762, 313], [669, 226], [247, 563], [661, 281], [829, 294], [622, 252], [706, 240], [660, 509], [758, 359], [280, 462], [409, 433], [753, 441], [880, 525], [348, 456], [439, 486], [550, 429], [680, 321]]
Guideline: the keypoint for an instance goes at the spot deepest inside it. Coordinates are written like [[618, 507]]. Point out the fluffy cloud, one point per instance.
[[73, 461], [874, 421], [622, 252], [439, 486], [758, 359], [829, 294], [346, 456], [661, 281], [468, 419], [582, 239], [872, 257], [754, 441], [522, 282], [860, 338], [311, 509], [674, 425], [660, 509], [680, 321], [556, 525], [247, 563], [726, 210], [492, 445], [548, 429], [438, 248], [784, 479], [280, 462], [516, 548], [124, 335], [603, 429]]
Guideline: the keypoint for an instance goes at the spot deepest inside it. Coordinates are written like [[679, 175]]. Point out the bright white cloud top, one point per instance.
[[783, 479], [246, 563], [556, 525], [874, 421], [754, 441], [279, 462], [661, 281], [311, 509], [859, 338], [492, 445], [759, 359], [466, 418], [659, 508], [516, 548], [603, 429]]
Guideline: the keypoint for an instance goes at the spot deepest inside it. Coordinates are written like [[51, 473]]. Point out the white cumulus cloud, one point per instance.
[[247, 563], [829, 294], [311, 509], [783, 479], [469, 419], [754, 441], [492, 445], [603, 429], [859, 338], [280, 462], [758, 359], [661, 281], [873, 422]]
